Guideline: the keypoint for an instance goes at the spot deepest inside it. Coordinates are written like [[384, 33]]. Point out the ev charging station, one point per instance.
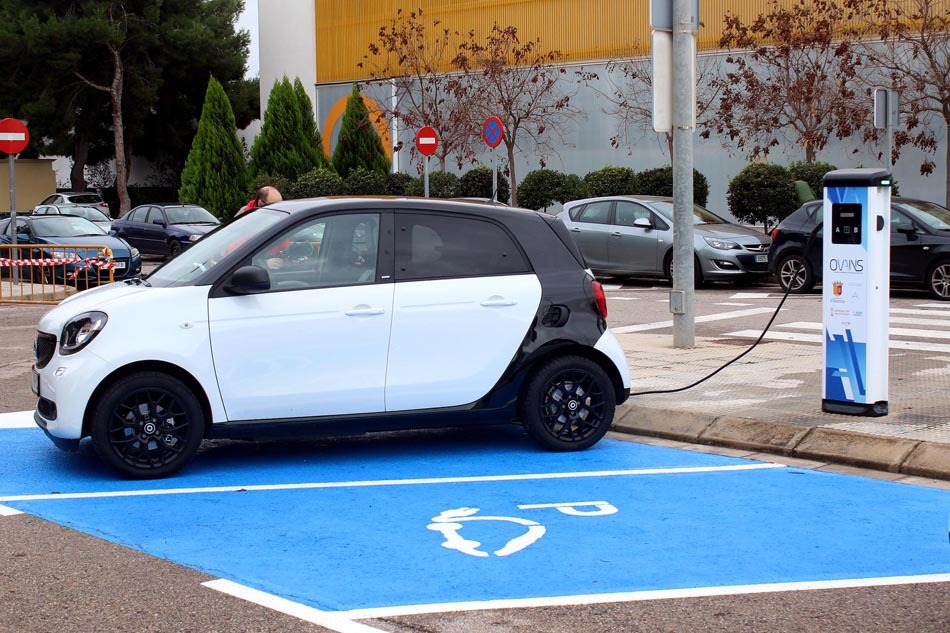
[[856, 290]]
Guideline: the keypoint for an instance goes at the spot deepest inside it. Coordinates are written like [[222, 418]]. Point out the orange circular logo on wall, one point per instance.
[[375, 115]]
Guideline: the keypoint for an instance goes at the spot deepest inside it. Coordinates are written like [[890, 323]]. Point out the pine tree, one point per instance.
[[359, 144], [281, 148], [311, 133], [215, 174]]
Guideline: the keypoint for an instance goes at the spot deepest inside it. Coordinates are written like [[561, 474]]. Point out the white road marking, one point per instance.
[[392, 482], [17, 420], [8, 512], [750, 295], [330, 620], [910, 311], [800, 337], [726, 303], [638, 596], [735, 314], [623, 298], [912, 321], [611, 286], [894, 331], [944, 306]]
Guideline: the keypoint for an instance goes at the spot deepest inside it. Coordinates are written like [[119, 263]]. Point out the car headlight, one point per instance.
[[58, 254], [134, 252], [194, 238], [722, 245], [80, 330]]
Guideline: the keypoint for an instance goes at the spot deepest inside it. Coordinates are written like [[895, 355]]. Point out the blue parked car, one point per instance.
[[165, 229], [70, 233]]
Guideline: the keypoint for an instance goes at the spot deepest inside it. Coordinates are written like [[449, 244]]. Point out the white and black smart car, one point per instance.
[[336, 315]]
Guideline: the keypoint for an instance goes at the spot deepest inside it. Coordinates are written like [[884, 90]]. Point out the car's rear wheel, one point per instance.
[[795, 274], [147, 425], [174, 247], [568, 404], [938, 280]]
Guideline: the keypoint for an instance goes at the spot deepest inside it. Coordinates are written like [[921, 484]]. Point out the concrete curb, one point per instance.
[[891, 454]]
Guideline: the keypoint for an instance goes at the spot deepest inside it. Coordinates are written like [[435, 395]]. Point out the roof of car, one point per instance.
[[631, 196], [398, 202]]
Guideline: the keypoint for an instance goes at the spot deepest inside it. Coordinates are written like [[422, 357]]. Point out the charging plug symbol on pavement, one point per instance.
[[451, 522]]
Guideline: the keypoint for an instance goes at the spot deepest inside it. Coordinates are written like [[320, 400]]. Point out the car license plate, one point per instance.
[[36, 382], [120, 265], [762, 259]]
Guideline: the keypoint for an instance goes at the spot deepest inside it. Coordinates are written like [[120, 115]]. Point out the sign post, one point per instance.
[[14, 137], [493, 132], [427, 141], [886, 117]]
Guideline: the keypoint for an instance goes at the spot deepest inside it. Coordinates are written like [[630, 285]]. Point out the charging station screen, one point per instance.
[[846, 223]]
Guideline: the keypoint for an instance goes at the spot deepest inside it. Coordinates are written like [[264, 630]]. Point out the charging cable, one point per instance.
[[778, 308]]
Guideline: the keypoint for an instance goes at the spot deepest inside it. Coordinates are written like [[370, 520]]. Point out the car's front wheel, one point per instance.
[[174, 247], [795, 274], [147, 425], [568, 404], [938, 281]]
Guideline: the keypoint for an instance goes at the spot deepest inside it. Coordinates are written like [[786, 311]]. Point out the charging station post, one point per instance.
[[856, 290]]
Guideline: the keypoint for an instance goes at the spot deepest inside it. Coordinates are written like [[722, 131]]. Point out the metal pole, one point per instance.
[[15, 253], [494, 176], [683, 295], [427, 178]]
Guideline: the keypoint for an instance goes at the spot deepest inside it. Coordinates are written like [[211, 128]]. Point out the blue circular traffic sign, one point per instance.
[[493, 131]]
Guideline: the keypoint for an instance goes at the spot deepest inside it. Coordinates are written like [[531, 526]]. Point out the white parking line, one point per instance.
[[17, 420], [392, 482], [750, 295], [910, 311], [659, 325], [944, 306], [8, 512], [894, 331], [801, 337]]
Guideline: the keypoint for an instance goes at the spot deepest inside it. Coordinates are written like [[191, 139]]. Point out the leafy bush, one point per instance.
[[281, 184], [442, 184], [365, 182], [316, 182], [610, 181], [812, 173], [477, 184], [659, 182], [761, 194], [540, 189], [397, 183], [574, 189]]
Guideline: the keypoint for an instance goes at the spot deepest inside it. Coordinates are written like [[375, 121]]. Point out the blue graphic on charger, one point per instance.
[[845, 364]]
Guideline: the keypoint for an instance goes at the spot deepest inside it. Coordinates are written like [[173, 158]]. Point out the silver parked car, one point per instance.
[[633, 235]]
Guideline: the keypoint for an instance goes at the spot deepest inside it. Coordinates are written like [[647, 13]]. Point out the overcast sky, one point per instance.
[[248, 21]]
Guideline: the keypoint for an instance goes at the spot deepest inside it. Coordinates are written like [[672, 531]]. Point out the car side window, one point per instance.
[[138, 215], [155, 216], [626, 213], [595, 213], [900, 222], [431, 246], [816, 213], [338, 250]]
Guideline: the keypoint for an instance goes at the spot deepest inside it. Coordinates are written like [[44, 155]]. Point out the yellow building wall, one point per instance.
[[582, 30], [33, 178]]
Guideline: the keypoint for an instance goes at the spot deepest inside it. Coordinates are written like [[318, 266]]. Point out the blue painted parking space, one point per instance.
[[404, 522]]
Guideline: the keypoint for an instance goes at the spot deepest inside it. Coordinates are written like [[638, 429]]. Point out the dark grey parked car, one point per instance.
[[633, 235]]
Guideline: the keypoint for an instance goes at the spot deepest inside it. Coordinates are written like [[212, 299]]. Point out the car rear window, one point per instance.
[[89, 198]]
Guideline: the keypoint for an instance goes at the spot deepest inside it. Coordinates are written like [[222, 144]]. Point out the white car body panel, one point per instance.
[[452, 339], [611, 348]]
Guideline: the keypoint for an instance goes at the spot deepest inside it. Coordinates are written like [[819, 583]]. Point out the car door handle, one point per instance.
[[617, 234], [575, 230], [364, 310], [498, 302]]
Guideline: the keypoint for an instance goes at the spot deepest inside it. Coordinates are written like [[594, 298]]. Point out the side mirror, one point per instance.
[[248, 280], [643, 223]]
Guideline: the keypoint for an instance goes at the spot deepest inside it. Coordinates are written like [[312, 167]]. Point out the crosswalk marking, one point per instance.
[[894, 331], [801, 337], [943, 306], [659, 325]]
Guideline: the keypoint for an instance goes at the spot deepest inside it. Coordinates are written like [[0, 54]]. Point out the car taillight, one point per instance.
[[599, 297], [774, 234]]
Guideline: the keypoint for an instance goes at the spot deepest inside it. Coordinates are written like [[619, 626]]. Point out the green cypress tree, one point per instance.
[[359, 144], [311, 137], [215, 174], [279, 149]]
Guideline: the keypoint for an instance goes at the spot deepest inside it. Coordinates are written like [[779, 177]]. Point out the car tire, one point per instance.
[[147, 425], [796, 272], [568, 404], [174, 247], [938, 280], [697, 271]]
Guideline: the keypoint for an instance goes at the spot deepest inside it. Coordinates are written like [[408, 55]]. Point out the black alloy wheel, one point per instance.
[[938, 281], [568, 404], [795, 273], [147, 425]]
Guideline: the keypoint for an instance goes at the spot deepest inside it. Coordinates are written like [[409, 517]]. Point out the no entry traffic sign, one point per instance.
[[493, 131], [14, 137], [427, 141]]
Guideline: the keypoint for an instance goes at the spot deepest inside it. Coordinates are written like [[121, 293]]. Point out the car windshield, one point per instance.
[[190, 215], [208, 252], [93, 215], [89, 198], [65, 226], [700, 214], [928, 213]]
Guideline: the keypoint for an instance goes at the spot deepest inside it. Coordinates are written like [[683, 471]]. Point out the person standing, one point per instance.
[[265, 195]]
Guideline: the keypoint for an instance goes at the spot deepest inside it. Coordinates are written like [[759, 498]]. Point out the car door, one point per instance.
[[910, 248], [465, 297], [632, 248], [129, 227], [316, 343], [154, 230], [590, 227]]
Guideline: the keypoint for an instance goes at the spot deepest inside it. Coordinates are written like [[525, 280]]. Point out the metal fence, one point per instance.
[[48, 273]]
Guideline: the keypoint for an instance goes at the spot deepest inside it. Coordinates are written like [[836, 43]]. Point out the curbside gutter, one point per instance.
[[891, 454]]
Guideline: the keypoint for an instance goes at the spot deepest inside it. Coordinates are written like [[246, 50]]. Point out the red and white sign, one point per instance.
[[14, 137], [427, 141]]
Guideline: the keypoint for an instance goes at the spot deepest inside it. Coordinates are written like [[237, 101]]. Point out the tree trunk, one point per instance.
[[510, 146], [121, 164], [77, 175]]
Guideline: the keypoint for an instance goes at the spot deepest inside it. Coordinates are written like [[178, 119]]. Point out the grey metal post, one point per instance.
[[427, 178], [683, 276], [15, 253], [494, 175]]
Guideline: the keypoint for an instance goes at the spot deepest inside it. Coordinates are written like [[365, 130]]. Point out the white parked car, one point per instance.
[[336, 316]]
